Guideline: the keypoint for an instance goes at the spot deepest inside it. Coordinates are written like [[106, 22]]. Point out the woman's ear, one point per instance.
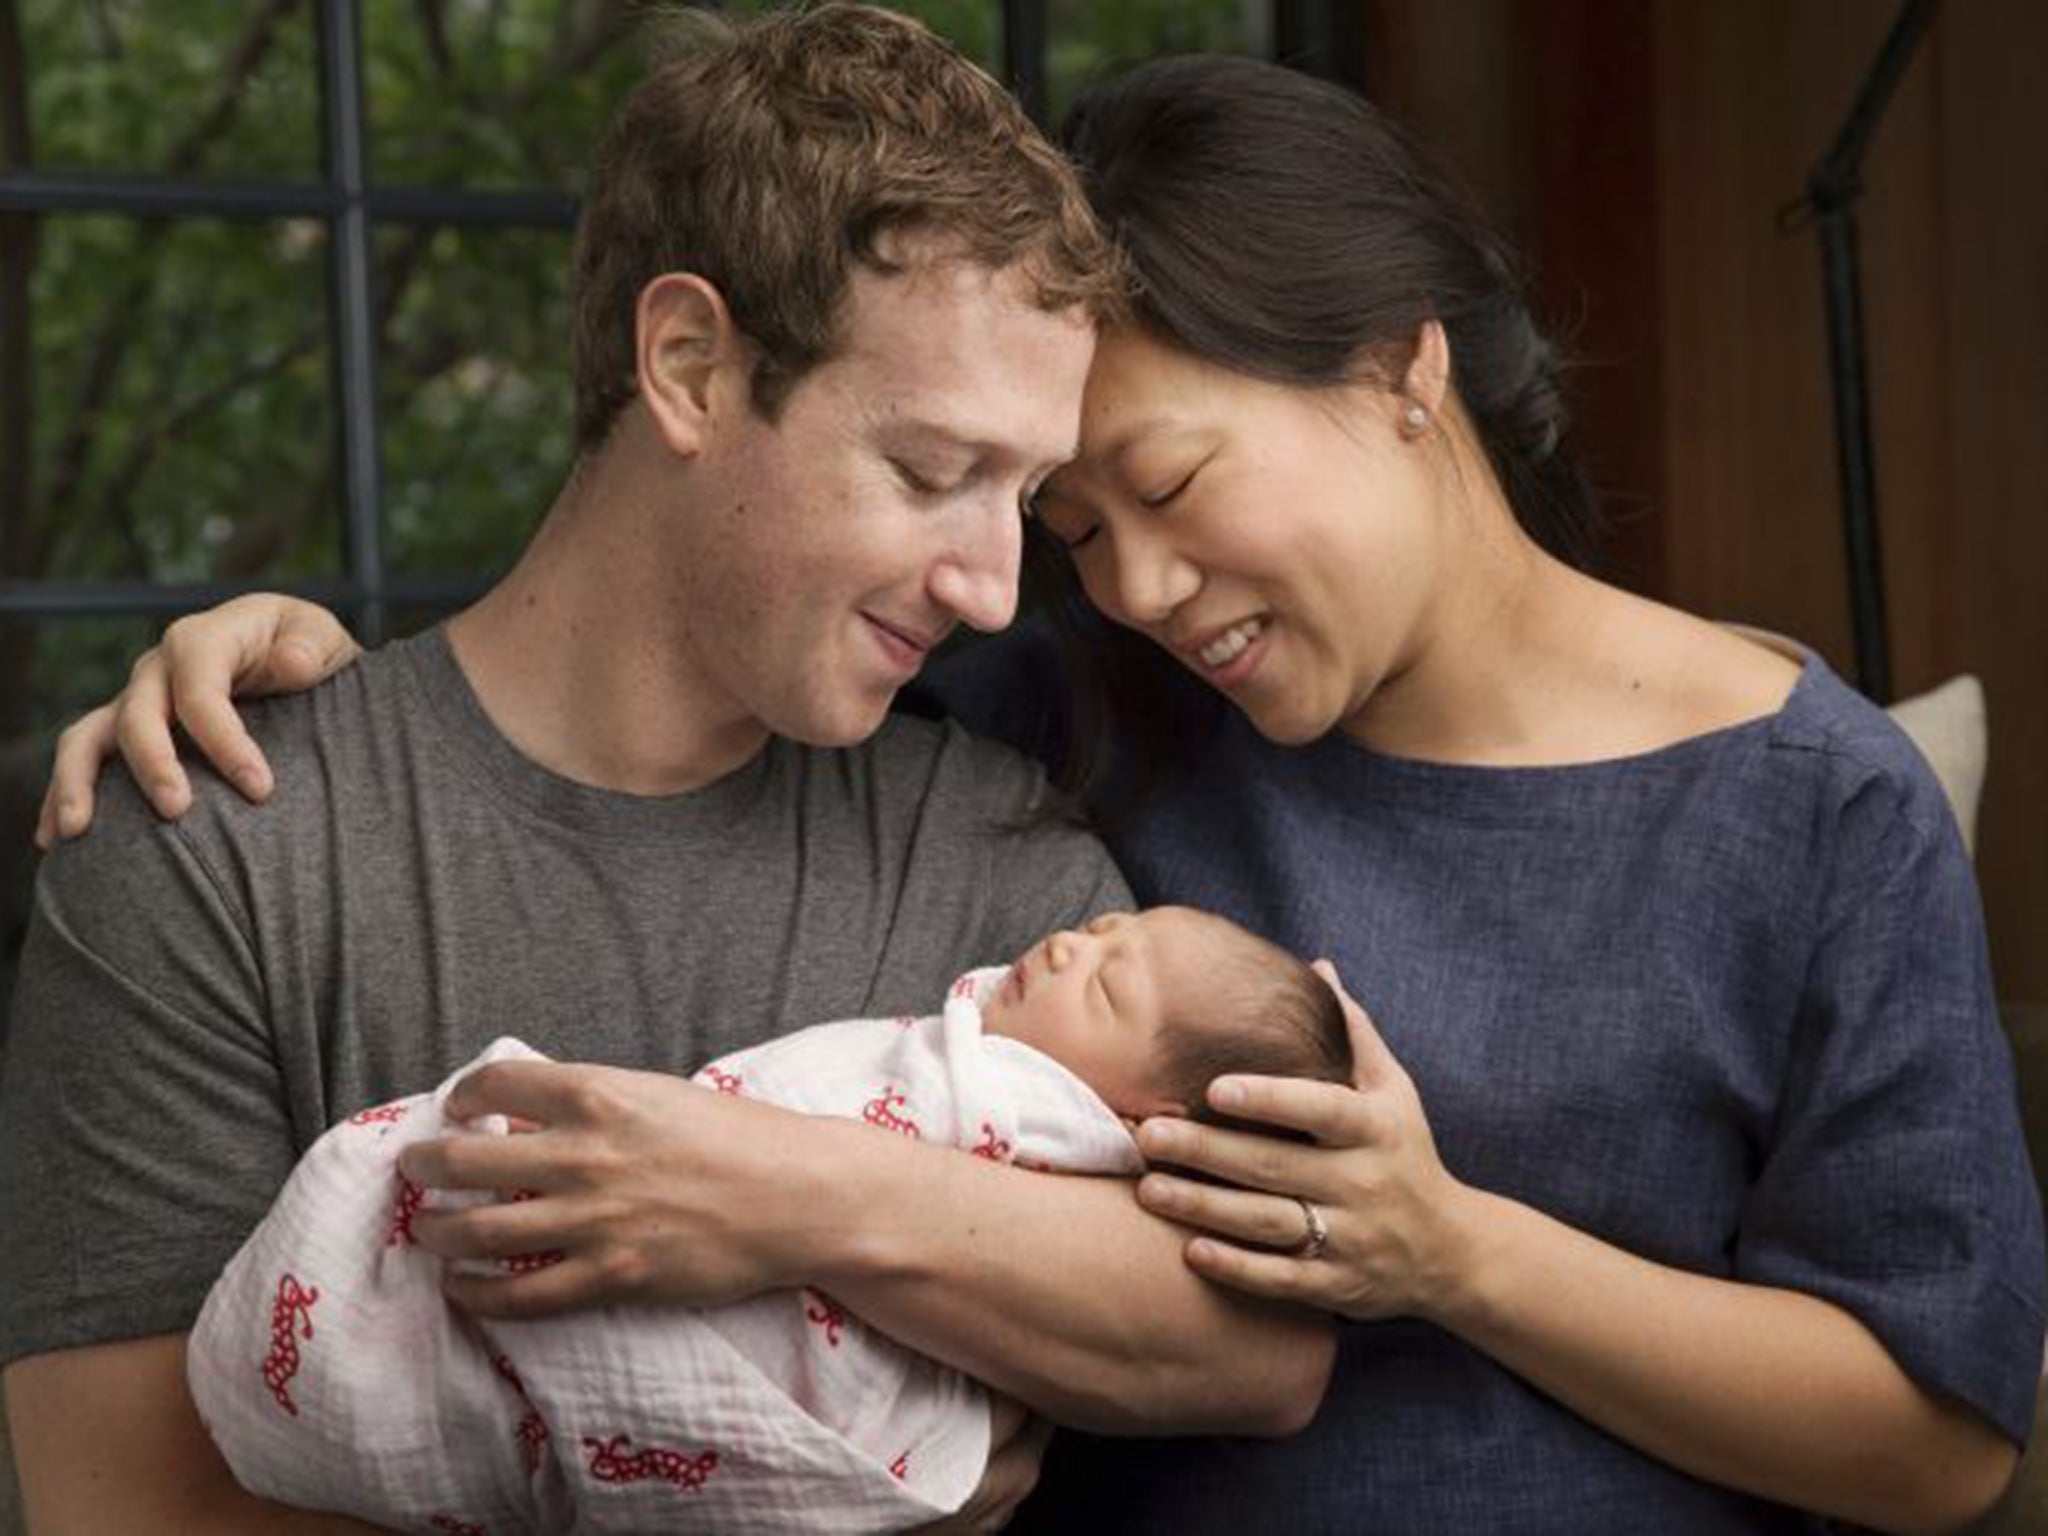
[[686, 344], [1427, 382]]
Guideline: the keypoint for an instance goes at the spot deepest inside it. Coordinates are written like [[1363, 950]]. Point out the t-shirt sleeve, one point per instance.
[[143, 1130], [1896, 1182]]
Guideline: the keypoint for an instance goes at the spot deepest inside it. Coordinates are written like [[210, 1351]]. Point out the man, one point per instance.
[[641, 804]]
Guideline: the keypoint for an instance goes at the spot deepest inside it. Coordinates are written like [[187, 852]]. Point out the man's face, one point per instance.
[[841, 542]]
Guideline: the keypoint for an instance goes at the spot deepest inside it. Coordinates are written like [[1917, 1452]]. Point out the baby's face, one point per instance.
[[1094, 1000]]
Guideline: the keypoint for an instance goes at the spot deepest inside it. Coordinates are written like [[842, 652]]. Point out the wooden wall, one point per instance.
[[1639, 151]]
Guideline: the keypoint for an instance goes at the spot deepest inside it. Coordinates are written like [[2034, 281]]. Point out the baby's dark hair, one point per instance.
[[1264, 1012]]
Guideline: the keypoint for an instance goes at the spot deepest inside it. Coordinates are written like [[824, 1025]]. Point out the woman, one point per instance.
[[1681, 1187]]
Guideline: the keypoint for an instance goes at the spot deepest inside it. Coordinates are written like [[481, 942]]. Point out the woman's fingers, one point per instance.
[[142, 728], [1333, 1114], [1371, 1061], [204, 668], [1244, 1158], [308, 646], [1272, 1275], [67, 804], [1249, 1216]]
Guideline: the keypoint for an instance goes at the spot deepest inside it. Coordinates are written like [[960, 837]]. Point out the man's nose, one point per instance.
[[975, 579]]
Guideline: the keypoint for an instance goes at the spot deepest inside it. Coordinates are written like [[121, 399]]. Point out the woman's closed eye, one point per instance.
[[1172, 491]]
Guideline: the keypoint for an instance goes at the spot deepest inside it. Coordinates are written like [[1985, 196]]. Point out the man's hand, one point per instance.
[[1017, 1441], [628, 1187]]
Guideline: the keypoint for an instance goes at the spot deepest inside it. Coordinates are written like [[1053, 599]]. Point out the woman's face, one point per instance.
[[1279, 541]]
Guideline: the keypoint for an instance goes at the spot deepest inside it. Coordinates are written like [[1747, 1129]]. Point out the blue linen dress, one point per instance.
[[1726, 1005]]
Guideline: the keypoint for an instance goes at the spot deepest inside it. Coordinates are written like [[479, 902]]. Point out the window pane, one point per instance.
[[478, 423], [511, 94], [1090, 39], [225, 88], [179, 385], [49, 672]]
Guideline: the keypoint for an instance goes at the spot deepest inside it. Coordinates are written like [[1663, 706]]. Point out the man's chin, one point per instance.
[[844, 726]]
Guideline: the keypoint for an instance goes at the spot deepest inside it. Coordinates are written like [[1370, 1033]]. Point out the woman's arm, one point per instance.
[[1061, 1292], [1773, 1391]]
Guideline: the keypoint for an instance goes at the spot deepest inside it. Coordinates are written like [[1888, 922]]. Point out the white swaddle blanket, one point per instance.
[[335, 1376]]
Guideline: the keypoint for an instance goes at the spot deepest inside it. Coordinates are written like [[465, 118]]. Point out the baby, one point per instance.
[[334, 1375]]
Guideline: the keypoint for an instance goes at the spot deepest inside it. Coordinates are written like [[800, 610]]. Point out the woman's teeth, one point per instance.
[[1229, 645]]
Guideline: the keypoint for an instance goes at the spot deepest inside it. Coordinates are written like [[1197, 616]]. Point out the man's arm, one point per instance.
[[1059, 1291], [106, 1439], [1066, 1293]]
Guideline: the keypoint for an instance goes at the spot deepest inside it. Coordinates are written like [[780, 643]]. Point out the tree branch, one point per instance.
[[116, 329]]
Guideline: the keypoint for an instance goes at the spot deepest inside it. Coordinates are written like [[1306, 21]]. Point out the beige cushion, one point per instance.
[[1948, 726]]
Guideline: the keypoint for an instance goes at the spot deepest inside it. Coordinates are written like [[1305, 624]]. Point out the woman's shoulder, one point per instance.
[[1699, 676]]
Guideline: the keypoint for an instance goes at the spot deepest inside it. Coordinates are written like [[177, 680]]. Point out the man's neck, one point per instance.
[[575, 659]]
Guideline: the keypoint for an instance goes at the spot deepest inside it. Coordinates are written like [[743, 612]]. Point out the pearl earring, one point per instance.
[[1414, 421]]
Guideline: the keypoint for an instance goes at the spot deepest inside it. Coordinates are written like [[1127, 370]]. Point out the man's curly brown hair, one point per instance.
[[770, 156]]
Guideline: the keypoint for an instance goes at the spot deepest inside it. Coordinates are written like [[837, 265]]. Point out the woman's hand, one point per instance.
[[259, 644], [1395, 1243], [629, 1187]]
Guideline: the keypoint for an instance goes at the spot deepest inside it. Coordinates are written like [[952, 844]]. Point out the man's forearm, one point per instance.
[[1061, 1291], [106, 1439]]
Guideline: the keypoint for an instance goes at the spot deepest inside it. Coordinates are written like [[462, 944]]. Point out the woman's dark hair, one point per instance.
[[1280, 226]]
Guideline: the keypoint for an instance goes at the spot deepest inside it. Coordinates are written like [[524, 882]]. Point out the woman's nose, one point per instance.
[[1151, 578]]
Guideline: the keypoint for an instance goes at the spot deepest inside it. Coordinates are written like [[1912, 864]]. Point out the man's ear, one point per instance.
[[1428, 379], [688, 349]]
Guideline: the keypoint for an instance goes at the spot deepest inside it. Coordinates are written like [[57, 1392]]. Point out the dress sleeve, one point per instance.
[[1896, 1181], [143, 1128]]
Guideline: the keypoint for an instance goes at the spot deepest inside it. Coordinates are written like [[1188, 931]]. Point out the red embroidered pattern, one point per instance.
[[991, 1146], [456, 1527], [882, 1112], [609, 1463], [724, 1082], [964, 987], [532, 1433], [383, 1114], [291, 1312], [901, 1466], [827, 1314], [411, 1197]]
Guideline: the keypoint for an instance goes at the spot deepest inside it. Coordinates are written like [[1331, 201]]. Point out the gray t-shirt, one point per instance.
[[199, 1001]]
